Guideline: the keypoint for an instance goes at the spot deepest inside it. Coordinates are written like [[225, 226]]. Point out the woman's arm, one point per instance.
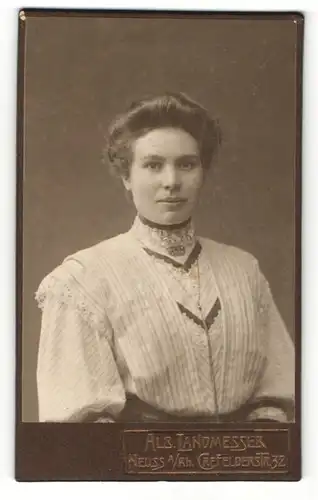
[[275, 391], [77, 376]]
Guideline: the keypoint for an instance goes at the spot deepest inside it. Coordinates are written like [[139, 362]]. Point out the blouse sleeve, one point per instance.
[[275, 391], [77, 376]]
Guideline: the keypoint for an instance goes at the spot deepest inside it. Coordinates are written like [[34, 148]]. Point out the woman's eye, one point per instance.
[[187, 165], [153, 165]]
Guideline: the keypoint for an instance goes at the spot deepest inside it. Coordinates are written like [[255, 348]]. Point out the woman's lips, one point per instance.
[[172, 200], [172, 203]]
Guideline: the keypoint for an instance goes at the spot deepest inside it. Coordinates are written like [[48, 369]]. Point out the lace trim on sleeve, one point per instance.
[[52, 286], [69, 291], [263, 297], [264, 304]]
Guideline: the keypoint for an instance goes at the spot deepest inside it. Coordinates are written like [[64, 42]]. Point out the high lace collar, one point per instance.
[[176, 240]]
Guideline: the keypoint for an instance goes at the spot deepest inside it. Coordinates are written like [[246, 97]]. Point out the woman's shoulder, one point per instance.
[[80, 273], [88, 258], [226, 253], [235, 265]]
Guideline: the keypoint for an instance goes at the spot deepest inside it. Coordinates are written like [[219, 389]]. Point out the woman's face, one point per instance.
[[165, 175]]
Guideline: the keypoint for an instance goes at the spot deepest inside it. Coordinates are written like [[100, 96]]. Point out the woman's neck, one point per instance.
[[164, 227], [176, 240]]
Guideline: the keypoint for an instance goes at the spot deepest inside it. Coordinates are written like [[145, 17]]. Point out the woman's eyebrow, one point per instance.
[[153, 157], [189, 156]]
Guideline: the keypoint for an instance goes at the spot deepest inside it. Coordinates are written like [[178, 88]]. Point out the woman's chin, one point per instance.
[[175, 220], [171, 218]]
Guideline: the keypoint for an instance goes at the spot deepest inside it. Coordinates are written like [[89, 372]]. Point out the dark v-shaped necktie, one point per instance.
[[211, 316], [188, 263]]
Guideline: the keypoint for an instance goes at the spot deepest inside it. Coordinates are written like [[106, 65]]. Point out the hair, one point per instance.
[[174, 110]]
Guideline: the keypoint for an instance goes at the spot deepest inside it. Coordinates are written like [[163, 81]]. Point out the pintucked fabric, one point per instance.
[[112, 325]]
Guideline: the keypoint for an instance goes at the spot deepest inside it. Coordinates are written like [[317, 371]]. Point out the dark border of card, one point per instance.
[[110, 452]]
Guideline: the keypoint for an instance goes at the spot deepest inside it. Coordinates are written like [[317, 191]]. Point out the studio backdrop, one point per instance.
[[81, 72]]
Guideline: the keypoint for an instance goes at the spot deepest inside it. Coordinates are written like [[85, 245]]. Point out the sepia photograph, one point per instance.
[[159, 168]]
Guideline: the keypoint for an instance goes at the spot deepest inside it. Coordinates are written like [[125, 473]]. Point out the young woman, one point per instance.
[[158, 323]]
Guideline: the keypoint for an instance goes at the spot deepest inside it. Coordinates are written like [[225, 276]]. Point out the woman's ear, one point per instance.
[[127, 183]]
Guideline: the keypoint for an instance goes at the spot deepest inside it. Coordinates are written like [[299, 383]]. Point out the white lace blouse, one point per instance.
[[119, 319]]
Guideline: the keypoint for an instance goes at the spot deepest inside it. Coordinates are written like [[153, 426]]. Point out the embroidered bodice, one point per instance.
[[190, 338]]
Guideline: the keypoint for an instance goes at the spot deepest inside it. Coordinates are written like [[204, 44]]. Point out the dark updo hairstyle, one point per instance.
[[167, 110]]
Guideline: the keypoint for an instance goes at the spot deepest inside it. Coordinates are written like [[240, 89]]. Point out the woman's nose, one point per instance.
[[170, 177]]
